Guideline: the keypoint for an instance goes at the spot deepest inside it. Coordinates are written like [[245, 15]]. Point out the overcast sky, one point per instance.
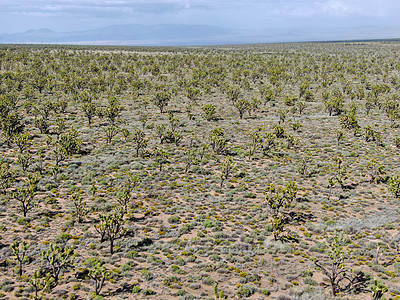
[[71, 15]]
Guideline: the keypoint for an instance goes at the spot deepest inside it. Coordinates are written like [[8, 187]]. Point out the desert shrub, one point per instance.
[[306, 273], [208, 280], [310, 281], [132, 254], [186, 228], [147, 275], [170, 280], [148, 292], [334, 106], [136, 289], [246, 290], [265, 292], [177, 269], [174, 219]]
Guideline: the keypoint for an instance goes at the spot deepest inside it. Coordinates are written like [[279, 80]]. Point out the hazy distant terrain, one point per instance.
[[172, 34]]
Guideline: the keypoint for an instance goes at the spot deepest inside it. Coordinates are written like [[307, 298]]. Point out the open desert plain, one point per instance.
[[228, 172]]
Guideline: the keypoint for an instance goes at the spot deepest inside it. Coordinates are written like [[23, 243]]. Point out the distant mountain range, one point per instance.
[[172, 34]]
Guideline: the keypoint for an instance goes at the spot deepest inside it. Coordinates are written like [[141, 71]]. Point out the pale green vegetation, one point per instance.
[[199, 173]]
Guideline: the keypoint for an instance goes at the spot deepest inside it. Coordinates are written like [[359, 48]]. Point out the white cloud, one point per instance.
[[334, 7], [66, 14], [369, 8]]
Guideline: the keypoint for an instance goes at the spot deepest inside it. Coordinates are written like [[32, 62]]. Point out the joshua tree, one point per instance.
[[233, 93], [279, 199], [189, 159], [7, 177], [269, 143], [161, 100], [161, 157], [372, 135], [376, 172], [143, 118], [11, 125], [394, 185], [219, 294], [19, 249], [25, 198], [24, 160], [65, 146], [45, 109], [58, 259], [301, 106], [161, 132], [41, 281], [304, 166], [193, 93], [113, 110], [139, 139], [110, 131], [334, 268], [173, 122], [111, 227], [209, 112], [227, 168], [125, 133], [282, 113], [339, 136], [256, 140], [267, 94], [43, 125], [60, 127], [378, 289], [98, 273], [80, 210], [242, 106], [279, 131], [334, 106], [125, 194], [349, 121], [89, 110], [23, 141], [217, 141]]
